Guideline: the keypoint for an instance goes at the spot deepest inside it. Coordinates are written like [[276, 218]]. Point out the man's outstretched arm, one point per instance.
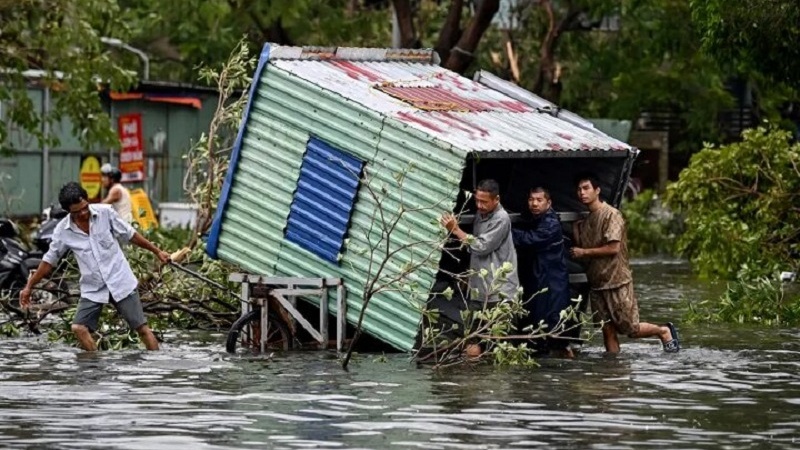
[[42, 271], [142, 242]]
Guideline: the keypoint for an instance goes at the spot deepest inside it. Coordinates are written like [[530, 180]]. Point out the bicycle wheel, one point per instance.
[[245, 333], [11, 291]]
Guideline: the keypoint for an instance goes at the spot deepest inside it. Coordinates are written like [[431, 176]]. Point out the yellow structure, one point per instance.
[[142, 209], [90, 176]]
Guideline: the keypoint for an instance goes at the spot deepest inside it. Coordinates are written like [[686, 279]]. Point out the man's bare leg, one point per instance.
[[610, 338], [147, 337], [647, 330], [84, 337], [565, 352]]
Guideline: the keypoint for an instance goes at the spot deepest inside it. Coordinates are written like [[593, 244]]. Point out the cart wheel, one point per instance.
[[245, 333]]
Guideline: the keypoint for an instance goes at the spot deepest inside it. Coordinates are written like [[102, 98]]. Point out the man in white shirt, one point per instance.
[[117, 195], [92, 233]]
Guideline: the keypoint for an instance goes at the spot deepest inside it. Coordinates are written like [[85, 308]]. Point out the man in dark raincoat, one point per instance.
[[542, 264]]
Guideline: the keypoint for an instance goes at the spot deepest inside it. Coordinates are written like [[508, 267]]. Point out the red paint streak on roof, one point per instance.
[[471, 126], [455, 124], [564, 135], [554, 146], [408, 117], [455, 81], [437, 98], [355, 71], [433, 98]]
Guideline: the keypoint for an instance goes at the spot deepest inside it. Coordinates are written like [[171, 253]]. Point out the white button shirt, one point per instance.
[[104, 269]]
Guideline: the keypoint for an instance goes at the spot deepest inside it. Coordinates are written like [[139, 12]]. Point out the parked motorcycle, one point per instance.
[[16, 263], [41, 238]]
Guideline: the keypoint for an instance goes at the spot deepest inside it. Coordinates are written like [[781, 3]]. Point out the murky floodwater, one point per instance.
[[731, 388]]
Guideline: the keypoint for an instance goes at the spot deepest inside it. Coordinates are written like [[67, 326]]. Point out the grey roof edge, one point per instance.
[[518, 93], [566, 153], [428, 56]]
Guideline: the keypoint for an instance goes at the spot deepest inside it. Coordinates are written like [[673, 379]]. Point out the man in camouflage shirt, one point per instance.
[[601, 241]]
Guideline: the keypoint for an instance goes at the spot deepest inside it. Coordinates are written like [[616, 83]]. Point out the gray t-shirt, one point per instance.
[[491, 247]]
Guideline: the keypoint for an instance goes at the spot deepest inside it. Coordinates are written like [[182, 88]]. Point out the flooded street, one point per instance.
[[731, 387]]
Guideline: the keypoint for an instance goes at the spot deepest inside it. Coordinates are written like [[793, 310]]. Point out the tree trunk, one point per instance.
[[544, 76], [405, 20], [352, 7], [548, 77], [513, 58], [462, 55], [277, 34], [451, 31]]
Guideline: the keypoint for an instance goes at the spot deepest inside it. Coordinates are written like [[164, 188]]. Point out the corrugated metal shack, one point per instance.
[[287, 210]]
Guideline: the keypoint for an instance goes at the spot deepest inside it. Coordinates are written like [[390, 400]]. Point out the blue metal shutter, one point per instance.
[[326, 190]]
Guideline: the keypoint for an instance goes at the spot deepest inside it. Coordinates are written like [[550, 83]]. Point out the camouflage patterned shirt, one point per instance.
[[602, 227]]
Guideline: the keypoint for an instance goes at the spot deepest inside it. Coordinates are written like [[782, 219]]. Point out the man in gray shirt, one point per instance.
[[490, 245], [92, 233]]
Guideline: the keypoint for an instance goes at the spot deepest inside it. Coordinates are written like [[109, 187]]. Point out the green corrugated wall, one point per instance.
[[286, 112]]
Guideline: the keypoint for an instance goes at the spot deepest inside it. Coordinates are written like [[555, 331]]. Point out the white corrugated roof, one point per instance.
[[489, 115]]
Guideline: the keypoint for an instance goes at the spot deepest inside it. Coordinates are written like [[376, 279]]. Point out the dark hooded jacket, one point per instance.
[[542, 264]]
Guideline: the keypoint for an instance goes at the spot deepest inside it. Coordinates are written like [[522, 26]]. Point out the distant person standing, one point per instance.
[[117, 195], [601, 240]]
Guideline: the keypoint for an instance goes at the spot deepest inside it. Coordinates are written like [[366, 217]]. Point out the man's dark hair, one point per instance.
[[539, 189], [587, 176], [71, 194], [490, 186]]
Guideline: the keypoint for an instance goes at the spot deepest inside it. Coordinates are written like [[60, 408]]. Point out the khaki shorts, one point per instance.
[[617, 306], [130, 308]]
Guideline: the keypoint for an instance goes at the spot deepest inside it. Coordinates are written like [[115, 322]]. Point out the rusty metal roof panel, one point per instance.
[[485, 116]]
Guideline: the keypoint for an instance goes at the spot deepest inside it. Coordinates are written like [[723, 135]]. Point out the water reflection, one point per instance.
[[731, 387]]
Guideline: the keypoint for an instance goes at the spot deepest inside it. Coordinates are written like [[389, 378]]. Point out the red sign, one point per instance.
[[131, 156]]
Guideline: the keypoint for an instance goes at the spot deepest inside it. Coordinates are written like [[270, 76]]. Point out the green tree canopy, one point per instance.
[[759, 36], [600, 58], [653, 63], [741, 205], [183, 35], [56, 43]]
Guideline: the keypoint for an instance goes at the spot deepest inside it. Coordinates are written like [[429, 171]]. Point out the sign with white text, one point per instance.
[[131, 156]]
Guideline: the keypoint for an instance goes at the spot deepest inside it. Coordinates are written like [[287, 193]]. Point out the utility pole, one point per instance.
[[114, 42]]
